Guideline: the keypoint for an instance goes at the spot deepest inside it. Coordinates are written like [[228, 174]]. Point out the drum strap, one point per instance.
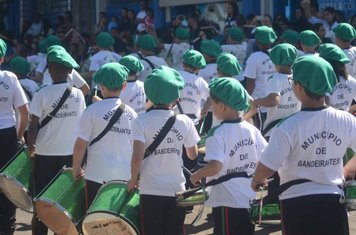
[[52, 114], [119, 111], [161, 135], [270, 126], [227, 177], [190, 115], [147, 60], [285, 186]]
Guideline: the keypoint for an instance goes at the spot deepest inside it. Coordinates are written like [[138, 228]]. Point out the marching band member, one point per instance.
[[309, 41], [160, 173], [235, 44], [307, 150], [109, 158], [12, 97], [232, 147], [51, 140]]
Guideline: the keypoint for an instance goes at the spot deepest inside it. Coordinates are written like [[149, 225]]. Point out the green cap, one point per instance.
[[230, 92], [210, 47], [182, 33], [20, 65], [62, 57], [331, 52], [3, 48], [309, 38], [194, 58], [104, 40], [283, 54], [147, 42], [236, 34], [315, 74], [345, 31], [112, 75], [42, 46], [228, 64], [52, 40], [290, 36], [132, 63], [162, 86], [265, 35]]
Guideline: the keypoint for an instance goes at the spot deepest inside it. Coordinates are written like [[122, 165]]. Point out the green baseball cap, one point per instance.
[[104, 40], [236, 34], [20, 65], [182, 33], [162, 86], [283, 54], [52, 40], [61, 57], [315, 74], [147, 42], [194, 58], [331, 52], [228, 64], [3, 48], [345, 31], [309, 38], [210, 47], [132, 63], [230, 92], [290, 36], [112, 75], [265, 35]]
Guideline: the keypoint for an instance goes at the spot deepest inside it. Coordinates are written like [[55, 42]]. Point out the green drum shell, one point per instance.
[[130, 212], [350, 195], [16, 180], [269, 212], [61, 205], [198, 199]]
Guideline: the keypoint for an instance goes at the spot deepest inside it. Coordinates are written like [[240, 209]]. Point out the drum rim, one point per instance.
[[21, 186], [94, 212], [350, 183], [130, 223]]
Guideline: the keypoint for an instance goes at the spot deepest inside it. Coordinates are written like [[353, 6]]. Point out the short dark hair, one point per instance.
[[339, 68], [310, 94]]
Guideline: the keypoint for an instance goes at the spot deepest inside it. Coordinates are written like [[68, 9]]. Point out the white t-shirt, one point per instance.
[[161, 173], [134, 96], [193, 95], [30, 86], [351, 67], [110, 157], [310, 145], [238, 146], [101, 58], [259, 67], [35, 60], [177, 53], [12, 96], [238, 50], [209, 72], [343, 94], [281, 85], [329, 33], [155, 60], [57, 137]]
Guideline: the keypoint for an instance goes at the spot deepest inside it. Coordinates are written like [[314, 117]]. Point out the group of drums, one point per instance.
[[61, 205]]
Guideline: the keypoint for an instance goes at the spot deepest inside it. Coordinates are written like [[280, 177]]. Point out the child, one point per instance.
[[134, 93], [235, 44], [161, 174], [344, 92], [309, 41], [307, 150], [292, 37], [232, 147], [106, 161], [211, 51]]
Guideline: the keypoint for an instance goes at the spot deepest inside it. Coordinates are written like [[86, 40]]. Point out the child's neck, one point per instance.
[[309, 103], [131, 78], [231, 115]]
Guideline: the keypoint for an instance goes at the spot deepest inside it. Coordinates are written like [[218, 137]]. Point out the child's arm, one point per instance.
[[136, 162], [78, 155], [270, 100], [211, 169], [350, 168], [192, 152], [261, 174]]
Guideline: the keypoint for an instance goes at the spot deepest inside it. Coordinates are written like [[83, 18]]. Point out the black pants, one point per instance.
[[232, 221], [259, 120], [160, 215], [91, 189], [46, 168], [8, 148], [320, 214]]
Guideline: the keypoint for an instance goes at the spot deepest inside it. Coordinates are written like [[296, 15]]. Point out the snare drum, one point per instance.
[[61, 205], [269, 211], [350, 195], [16, 180], [199, 198], [113, 211]]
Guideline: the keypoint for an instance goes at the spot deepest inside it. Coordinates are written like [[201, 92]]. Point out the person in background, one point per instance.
[[300, 23], [319, 29], [331, 23], [232, 10], [36, 25], [235, 44], [292, 37]]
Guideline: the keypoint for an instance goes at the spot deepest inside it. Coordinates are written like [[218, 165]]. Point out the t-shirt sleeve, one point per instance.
[[273, 86], [251, 68], [214, 146], [353, 134], [193, 136], [41, 66], [138, 130], [85, 126], [277, 150], [261, 144], [78, 81], [36, 105], [19, 96], [94, 64]]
